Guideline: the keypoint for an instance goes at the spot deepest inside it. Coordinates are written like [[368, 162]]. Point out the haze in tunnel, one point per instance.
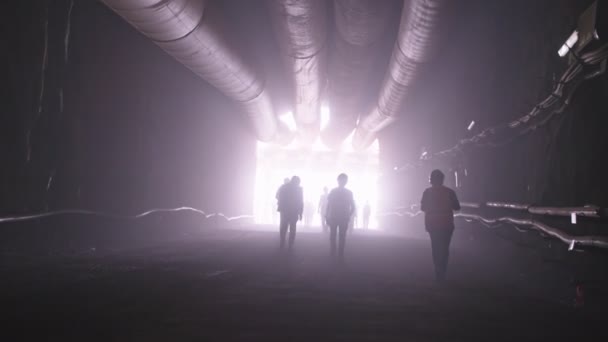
[[143, 141], [317, 166]]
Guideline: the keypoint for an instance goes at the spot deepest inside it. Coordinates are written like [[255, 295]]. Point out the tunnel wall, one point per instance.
[[493, 76], [560, 163], [122, 126], [136, 129]]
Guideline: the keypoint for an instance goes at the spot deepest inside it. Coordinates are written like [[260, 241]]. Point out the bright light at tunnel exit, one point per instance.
[[318, 167], [290, 121], [324, 116]]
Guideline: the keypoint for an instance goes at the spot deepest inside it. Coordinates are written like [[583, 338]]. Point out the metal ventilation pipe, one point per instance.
[[301, 29], [186, 31], [360, 24], [417, 31]]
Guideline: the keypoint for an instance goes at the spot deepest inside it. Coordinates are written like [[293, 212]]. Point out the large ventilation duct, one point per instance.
[[360, 24], [417, 30], [300, 26], [186, 31]]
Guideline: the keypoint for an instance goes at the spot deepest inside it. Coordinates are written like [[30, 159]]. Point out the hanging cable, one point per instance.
[[43, 66], [545, 230], [12, 219], [543, 112], [68, 32]]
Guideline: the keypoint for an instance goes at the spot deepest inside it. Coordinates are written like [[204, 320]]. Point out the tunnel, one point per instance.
[[304, 170]]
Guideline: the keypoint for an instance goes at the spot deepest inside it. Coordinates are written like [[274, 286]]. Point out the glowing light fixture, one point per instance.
[[471, 125], [568, 44], [573, 218]]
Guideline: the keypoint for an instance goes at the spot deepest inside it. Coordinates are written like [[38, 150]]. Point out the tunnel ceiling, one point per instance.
[[358, 57]]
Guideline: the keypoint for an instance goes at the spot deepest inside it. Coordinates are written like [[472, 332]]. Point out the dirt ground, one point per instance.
[[233, 285]]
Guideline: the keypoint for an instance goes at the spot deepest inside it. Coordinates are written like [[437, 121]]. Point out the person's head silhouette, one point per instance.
[[295, 180], [436, 178], [325, 189], [286, 180], [342, 180]]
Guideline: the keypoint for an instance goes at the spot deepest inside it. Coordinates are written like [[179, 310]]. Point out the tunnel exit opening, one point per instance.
[[318, 167]]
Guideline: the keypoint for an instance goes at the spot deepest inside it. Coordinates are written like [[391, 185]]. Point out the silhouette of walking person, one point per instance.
[[438, 204], [286, 181], [367, 212], [352, 225], [278, 195], [340, 208], [322, 210], [290, 207]]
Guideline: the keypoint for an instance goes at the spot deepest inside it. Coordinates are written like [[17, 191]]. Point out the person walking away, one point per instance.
[[322, 210], [367, 212], [277, 208], [438, 204], [280, 192], [352, 224], [340, 208], [291, 205]]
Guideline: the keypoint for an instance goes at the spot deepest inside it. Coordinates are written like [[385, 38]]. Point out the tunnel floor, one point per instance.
[[234, 285]]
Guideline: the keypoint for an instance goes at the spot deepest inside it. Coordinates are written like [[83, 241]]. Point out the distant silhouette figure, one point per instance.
[[290, 206], [340, 209], [322, 210], [438, 204], [367, 212]]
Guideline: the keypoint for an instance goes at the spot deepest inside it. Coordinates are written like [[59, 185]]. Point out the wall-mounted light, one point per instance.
[[573, 218], [471, 125], [569, 44]]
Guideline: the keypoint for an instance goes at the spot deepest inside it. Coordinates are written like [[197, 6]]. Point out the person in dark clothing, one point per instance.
[[340, 208], [438, 204], [276, 208], [322, 210], [367, 212], [290, 206], [279, 191]]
